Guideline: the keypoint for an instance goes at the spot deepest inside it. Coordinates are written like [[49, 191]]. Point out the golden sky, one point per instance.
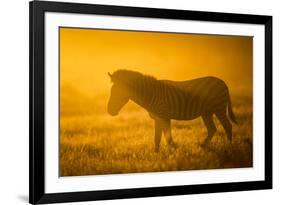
[[86, 55]]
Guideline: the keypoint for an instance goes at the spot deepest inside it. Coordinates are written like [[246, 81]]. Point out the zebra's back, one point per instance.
[[186, 100]]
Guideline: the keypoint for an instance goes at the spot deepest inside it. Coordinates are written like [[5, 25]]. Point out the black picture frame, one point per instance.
[[37, 11]]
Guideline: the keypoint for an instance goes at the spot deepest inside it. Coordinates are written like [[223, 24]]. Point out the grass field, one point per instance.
[[92, 142]]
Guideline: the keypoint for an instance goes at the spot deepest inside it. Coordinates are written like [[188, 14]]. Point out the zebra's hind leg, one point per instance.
[[221, 115], [168, 133], [211, 128]]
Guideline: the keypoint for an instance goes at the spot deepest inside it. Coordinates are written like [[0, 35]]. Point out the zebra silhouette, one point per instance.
[[178, 100]]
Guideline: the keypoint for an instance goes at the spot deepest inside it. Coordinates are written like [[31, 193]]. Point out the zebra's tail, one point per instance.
[[230, 111]]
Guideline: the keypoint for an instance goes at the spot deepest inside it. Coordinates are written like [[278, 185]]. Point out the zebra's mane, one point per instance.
[[131, 78]]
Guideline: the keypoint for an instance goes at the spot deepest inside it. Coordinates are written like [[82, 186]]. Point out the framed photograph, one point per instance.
[[141, 102]]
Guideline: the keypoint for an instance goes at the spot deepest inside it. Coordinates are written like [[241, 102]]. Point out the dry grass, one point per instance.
[[92, 142]]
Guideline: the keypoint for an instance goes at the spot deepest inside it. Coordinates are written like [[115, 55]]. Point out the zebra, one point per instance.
[[178, 100]]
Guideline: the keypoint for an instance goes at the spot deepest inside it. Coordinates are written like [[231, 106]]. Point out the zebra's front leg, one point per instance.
[[168, 133], [158, 134]]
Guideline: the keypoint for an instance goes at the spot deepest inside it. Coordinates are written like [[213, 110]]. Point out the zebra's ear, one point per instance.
[[110, 75]]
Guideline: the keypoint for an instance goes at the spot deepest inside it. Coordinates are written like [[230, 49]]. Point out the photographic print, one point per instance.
[[143, 101], [129, 102]]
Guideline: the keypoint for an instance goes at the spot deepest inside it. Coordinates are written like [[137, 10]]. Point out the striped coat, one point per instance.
[[179, 100]]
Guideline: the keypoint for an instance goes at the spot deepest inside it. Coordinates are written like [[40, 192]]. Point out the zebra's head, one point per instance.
[[119, 95]]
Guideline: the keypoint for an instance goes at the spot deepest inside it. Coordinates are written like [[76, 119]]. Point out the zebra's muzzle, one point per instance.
[[112, 113]]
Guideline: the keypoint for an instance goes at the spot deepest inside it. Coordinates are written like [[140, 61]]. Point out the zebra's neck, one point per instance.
[[145, 91]]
